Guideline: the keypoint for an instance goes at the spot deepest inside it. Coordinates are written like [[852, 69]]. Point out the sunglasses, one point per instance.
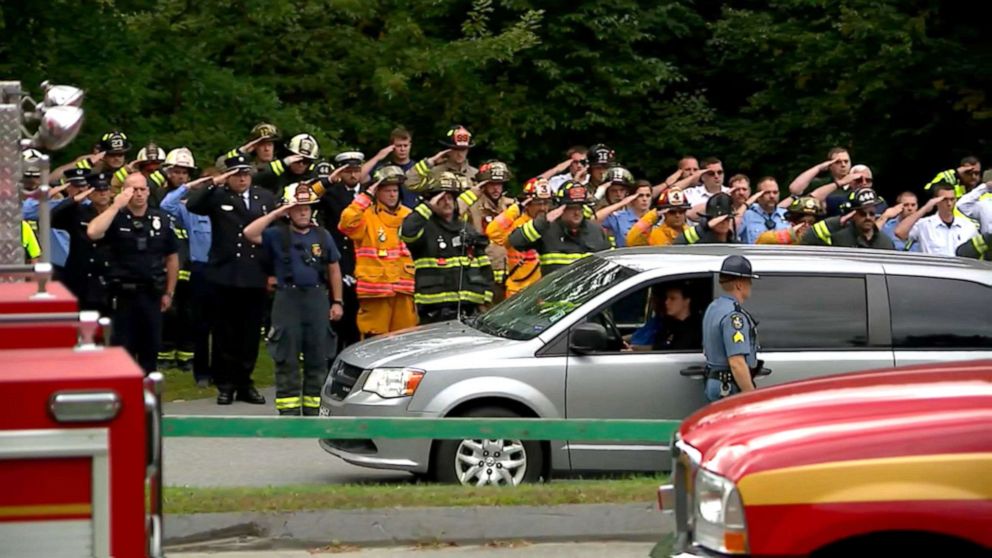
[[866, 213]]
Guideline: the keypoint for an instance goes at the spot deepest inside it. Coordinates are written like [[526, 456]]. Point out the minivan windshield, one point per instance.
[[527, 314]]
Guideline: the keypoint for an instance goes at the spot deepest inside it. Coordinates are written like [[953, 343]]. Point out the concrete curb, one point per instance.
[[399, 526]]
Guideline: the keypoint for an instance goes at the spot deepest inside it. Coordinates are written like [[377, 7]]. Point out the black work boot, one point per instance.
[[250, 395], [225, 396]]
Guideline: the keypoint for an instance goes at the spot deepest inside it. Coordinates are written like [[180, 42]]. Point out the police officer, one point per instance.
[[237, 276], [143, 268], [305, 261], [730, 335], [86, 266]]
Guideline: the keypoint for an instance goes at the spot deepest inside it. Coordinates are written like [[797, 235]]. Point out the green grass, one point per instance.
[[182, 500], [180, 386]]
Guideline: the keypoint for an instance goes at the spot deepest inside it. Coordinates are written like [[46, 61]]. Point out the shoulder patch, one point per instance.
[[737, 321]]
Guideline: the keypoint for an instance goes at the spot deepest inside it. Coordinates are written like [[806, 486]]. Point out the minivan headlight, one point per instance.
[[719, 514], [393, 382]]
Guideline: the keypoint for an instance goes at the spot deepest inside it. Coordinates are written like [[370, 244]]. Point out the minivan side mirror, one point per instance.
[[587, 337]]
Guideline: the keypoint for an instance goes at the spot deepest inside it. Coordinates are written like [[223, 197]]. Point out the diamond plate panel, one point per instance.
[[11, 251]]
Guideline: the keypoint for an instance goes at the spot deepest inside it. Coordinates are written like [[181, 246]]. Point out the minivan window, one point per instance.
[[934, 313], [527, 314], [809, 312]]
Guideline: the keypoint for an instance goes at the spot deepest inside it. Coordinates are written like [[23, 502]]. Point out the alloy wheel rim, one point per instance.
[[491, 462]]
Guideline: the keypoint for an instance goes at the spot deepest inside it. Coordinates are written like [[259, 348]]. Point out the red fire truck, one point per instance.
[[80, 441]]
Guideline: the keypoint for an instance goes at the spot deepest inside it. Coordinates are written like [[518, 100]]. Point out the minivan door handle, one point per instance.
[[696, 371]]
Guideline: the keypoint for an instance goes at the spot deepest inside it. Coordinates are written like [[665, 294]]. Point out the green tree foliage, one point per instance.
[[768, 87]]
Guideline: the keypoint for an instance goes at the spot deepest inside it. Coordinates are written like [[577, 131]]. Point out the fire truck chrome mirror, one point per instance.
[[84, 406], [59, 126], [62, 95]]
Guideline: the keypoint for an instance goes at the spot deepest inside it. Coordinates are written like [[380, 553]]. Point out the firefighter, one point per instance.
[[977, 248], [86, 267], [304, 152], [178, 341], [856, 229], [193, 293], [600, 158], [493, 176], [143, 269], [454, 159], [73, 182], [383, 269], [305, 262], [672, 207], [261, 144], [237, 276], [524, 267], [108, 155], [801, 214], [453, 277], [717, 226], [564, 235], [148, 161]]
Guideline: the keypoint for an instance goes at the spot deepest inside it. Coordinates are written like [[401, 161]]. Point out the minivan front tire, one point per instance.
[[488, 462]]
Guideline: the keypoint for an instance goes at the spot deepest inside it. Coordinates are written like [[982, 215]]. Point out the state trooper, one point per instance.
[[305, 261], [730, 334], [143, 268]]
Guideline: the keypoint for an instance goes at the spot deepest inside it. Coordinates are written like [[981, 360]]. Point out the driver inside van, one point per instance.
[[673, 325]]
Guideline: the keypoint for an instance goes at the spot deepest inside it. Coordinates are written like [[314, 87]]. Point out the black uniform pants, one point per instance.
[[347, 327], [177, 326], [300, 324], [137, 324], [433, 313], [237, 324], [201, 301]]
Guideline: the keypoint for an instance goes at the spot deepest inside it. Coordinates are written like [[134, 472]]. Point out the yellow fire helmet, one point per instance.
[[301, 192]]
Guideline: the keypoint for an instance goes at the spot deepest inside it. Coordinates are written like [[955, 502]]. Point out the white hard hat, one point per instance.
[[305, 145], [180, 157]]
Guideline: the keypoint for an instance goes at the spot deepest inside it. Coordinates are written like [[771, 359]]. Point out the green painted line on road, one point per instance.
[[342, 428]]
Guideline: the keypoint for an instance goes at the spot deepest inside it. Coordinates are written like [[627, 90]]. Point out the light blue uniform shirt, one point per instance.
[[727, 332], [619, 224], [60, 238], [756, 221], [197, 226]]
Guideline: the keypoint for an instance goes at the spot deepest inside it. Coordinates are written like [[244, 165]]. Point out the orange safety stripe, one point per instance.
[[956, 476]]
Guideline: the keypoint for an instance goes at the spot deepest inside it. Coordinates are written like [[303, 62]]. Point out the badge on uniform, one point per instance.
[[156, 222], [315, 250], [456, 241], [227, 207], [441, 243], [382, 234]]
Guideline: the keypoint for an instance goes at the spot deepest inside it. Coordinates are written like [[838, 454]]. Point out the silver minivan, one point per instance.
[[558, 350]]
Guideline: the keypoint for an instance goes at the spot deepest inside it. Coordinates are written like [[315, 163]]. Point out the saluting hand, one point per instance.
[[555, 213], [122, 199], [78, 198], [250, 146], [221, 178], [439, 156]]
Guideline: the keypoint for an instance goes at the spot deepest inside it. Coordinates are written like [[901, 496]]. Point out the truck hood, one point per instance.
[[929, 409], [425, 344]]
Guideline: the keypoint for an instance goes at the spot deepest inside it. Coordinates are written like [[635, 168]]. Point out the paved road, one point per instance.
[[562, 550], [254, 461]]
